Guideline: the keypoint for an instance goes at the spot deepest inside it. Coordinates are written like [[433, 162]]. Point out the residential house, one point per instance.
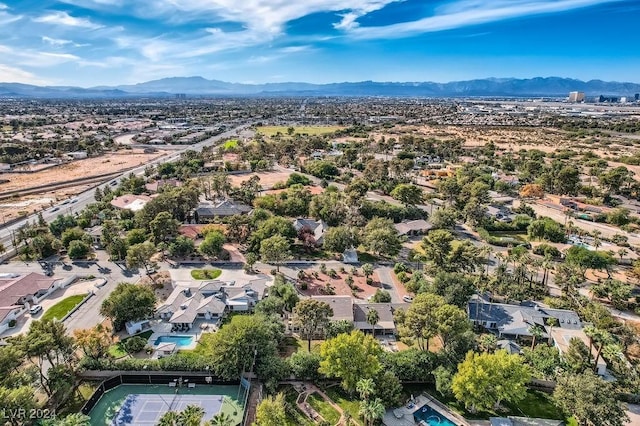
[[517, 322], [386, 324], [19, 292], [317, 227], [206, 212], [130, 202], [96, 235], [356, 313], [209, 300], [413, 227], [158, 185]]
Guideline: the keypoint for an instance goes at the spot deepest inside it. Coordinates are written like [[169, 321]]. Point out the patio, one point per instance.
[[403, 416]]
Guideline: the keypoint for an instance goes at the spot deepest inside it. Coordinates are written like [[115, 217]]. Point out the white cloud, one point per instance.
[[56, 41], [10, 74], [3, 6], [64, 19], [471, 12]]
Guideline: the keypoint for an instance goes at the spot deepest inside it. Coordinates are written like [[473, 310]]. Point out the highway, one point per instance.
[[79, 202]]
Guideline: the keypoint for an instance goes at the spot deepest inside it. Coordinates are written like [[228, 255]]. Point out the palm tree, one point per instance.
[[372, 410], [365, 387], [170, 418], [221, 419], [487, 342], [596, 239], [372, 318], [622, 253], [191, 416], [536, 333]]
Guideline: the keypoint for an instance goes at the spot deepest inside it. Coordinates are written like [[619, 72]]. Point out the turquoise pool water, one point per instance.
[[180, 341], [431, 417]]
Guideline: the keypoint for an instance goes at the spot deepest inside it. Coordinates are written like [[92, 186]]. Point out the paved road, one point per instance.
[[79, 202]]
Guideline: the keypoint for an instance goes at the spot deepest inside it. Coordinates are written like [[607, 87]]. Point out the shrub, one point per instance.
[[303, 285], [369, 281], [12, 323], [399, 267], [134, 344], [547, 250], [402, 276]]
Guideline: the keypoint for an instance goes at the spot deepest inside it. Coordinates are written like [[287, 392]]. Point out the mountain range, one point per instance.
[[199, 86]]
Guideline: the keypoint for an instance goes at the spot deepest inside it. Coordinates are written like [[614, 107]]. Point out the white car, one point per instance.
[[35, 309], [407, 299]]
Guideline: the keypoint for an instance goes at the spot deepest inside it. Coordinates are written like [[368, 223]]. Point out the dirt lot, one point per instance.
[[316, 286], [267, 179], [109, 163]]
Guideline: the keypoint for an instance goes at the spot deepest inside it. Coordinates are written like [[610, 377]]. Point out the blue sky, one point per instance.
[[106, 42]]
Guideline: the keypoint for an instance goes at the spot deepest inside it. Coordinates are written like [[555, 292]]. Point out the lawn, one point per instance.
[[308, 130], [63, 307], [117, 351], [536, 404], [205, 274], [295, 417], [352, 406], [230, 144], [323, 408]]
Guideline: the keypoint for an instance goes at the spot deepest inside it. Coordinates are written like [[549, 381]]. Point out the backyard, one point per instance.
[[323, 408], [536, 404], [117, 349], [63, 307]]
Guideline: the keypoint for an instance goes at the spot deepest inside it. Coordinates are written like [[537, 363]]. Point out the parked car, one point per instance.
[[35, 309], [407, 299]]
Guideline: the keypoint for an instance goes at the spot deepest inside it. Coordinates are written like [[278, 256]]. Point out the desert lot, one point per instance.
[[109, 163]]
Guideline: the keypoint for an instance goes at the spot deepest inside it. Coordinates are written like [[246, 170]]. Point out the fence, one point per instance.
[[144, 378]]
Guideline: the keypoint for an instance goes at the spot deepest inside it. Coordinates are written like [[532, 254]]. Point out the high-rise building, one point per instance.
[[576, 96]]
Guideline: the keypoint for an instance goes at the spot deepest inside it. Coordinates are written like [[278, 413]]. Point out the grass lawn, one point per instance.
[[63, 307], [117, 350], [352, 406], [309, 130], [79, 398], [295, 417], [536, 404], [205, 274], [230, 144], [323, 408]]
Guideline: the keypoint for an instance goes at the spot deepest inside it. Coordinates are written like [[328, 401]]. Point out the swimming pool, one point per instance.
[[431, 417], [180, 341]]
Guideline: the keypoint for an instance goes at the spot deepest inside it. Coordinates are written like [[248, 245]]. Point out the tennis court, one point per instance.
[[144, 404]]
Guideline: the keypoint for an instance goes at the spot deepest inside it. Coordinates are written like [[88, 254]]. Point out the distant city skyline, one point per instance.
[[110, 42]]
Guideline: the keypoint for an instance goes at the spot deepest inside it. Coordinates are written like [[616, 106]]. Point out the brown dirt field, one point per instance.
[[113, 162], [109, 163], [267, 179], [340, 287]]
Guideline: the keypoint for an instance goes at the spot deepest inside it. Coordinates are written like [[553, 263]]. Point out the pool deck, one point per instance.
[[403, 416]]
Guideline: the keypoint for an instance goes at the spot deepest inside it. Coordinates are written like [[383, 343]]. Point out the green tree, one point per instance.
[[381, 237], [589, 399], [350, 357], [181, 247], [271, 411], [340, 238], [408, 194], [365, 388], [13, 400], [76, 419], [140, 255], [444, 380], [212, 244], [437, 246], [444, 218], [381, 296], [311, 317], [275, 250], [485, 380], [388, 389], [78, 249], [304, 365], [163, 227], [128, 302], [222, 419], [373, 317], [74, 234], [234, 346], [95, 341], [371, 411]]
